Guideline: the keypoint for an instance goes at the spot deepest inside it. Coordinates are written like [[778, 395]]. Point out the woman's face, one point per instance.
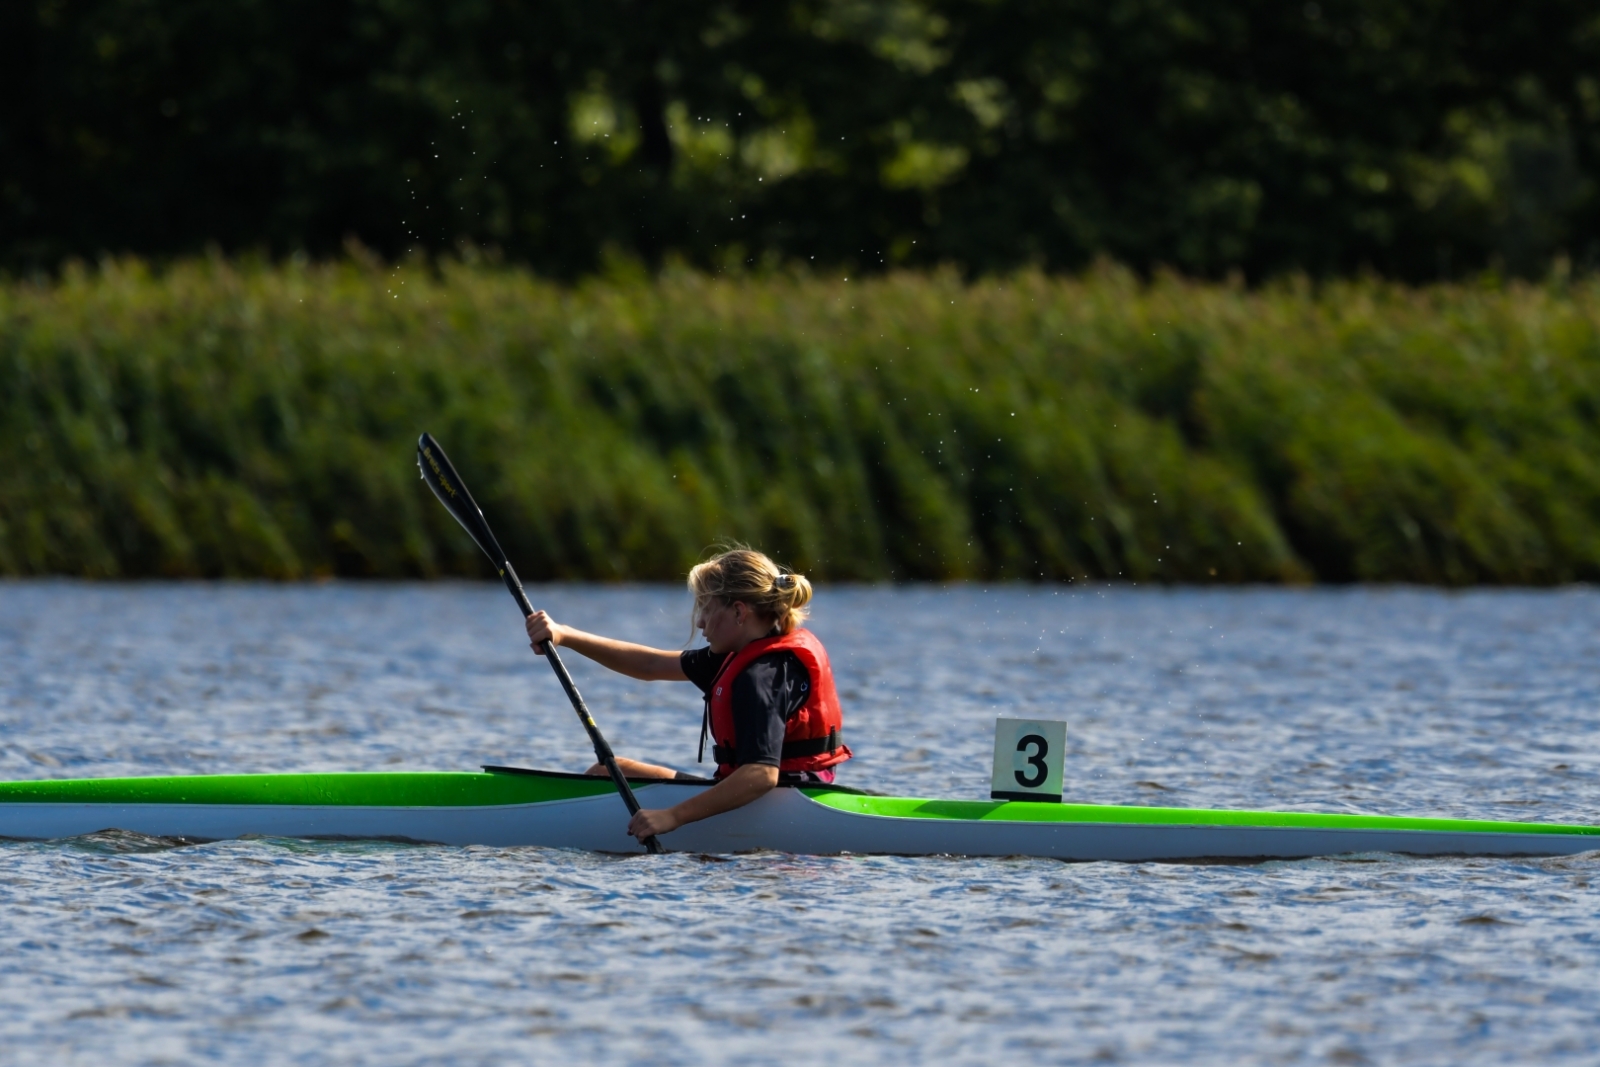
[[728, 627]]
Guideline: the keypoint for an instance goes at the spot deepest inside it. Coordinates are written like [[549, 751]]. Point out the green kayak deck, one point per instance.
[[566, 810]]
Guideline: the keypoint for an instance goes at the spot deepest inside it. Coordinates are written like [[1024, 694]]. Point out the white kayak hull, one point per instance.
[[818, 822]]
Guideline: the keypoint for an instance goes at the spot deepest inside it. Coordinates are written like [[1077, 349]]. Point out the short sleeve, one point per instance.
[[700, 666]]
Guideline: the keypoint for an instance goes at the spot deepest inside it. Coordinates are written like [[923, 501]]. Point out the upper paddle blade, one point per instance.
[[452, 493]]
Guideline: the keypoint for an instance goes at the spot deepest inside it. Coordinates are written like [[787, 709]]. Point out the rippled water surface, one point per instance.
[[116, 949]]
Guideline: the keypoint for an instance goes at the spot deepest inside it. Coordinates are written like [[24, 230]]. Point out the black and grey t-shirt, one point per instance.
[[766, 695]]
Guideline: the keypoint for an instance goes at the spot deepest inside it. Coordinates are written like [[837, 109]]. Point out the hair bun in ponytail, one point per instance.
[[745, 575]]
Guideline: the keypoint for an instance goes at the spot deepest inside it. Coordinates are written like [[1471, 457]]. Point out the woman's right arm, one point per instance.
[[636, 661]]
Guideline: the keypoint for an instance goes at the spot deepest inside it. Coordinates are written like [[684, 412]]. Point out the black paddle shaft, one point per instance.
[[447, 485]]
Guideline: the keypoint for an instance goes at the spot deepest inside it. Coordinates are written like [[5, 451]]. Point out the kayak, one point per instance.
[[504, 806]]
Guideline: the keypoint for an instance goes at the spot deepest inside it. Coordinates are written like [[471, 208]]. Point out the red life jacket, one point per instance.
[[811, 741]]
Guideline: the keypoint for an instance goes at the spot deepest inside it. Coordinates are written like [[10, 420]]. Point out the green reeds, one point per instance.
[[221, 418]]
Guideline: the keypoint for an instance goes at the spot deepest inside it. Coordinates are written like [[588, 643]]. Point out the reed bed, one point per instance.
[[234, 418]]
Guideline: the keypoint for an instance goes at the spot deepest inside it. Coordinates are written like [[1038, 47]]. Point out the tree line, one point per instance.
[[1418, 139]]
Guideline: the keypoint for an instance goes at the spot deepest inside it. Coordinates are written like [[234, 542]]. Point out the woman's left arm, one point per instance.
[[745, 784]]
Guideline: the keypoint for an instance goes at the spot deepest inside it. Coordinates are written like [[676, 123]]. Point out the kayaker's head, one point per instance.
[[741, 595]]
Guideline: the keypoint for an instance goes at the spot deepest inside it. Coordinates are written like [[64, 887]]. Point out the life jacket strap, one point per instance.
[[811, 746]]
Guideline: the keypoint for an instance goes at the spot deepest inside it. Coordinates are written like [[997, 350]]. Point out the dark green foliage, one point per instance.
[[1417, 138], [217, 419]]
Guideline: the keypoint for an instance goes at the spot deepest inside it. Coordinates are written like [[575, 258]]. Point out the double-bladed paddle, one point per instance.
[[452, 493]]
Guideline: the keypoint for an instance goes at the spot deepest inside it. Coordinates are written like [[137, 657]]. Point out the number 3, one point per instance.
[[1036, 761]]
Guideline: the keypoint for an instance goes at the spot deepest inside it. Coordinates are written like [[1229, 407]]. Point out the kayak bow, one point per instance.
[[508, 806]]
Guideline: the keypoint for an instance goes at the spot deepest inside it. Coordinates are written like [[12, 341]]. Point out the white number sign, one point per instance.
[[1028, 759]]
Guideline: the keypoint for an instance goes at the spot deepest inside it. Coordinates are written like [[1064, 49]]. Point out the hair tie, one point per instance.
[[785, 581]]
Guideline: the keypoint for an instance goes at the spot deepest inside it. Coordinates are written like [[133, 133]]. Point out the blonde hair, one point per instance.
[[741, 574]]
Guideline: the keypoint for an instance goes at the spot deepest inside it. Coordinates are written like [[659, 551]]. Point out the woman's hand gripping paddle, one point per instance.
[[452, 493]]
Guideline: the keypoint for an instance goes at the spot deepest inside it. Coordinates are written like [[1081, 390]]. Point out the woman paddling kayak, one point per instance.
[[771, 709]]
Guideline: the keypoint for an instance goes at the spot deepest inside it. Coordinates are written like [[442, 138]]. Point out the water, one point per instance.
[[116, 949]]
